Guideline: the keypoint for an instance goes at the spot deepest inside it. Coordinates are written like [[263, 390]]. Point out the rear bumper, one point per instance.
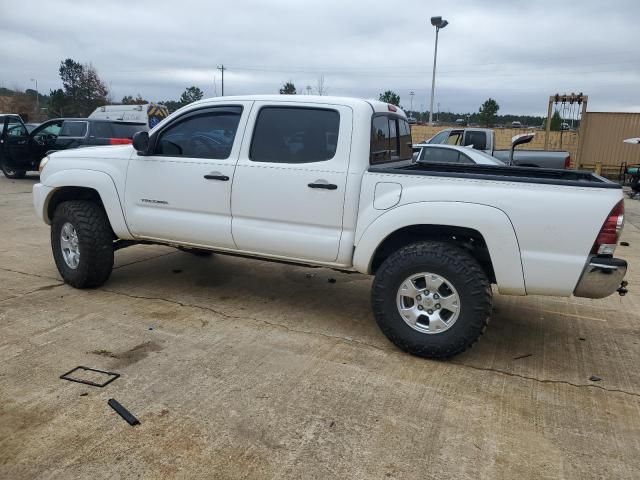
[[601, 277]]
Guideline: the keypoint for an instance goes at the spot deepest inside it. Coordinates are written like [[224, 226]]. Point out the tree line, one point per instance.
[[82, 92]]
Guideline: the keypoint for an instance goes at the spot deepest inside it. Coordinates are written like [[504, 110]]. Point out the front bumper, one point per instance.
[[601, 277], [40, 196]]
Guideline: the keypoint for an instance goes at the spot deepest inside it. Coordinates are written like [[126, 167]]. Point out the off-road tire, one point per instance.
[[459, 268], [12, 173], [95, 240], [198, 252]]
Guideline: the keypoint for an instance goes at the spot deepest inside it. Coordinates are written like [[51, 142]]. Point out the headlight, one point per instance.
[[43, 162]]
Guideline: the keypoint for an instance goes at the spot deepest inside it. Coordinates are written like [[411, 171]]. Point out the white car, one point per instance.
[[330, 181], [433, 153]]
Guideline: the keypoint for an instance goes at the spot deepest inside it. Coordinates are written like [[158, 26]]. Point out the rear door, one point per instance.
[[14, 140], [289, 186], [72, 134]]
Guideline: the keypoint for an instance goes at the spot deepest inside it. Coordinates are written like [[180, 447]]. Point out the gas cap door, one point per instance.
[[387, 195]]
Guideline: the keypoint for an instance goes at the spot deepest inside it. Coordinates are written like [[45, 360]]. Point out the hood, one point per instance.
[[104, 151]]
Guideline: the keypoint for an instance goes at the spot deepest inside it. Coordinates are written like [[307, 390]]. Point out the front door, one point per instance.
[[43, 139], [181, 191], [289, 187]]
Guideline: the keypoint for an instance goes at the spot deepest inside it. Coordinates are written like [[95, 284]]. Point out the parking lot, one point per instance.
[[245, 369]]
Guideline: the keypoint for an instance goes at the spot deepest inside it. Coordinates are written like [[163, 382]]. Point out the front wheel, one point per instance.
[[82, 243], [431, 299], [10, 172]]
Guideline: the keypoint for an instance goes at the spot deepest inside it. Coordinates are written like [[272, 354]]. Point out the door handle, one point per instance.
[[326, 186], [216, 176]]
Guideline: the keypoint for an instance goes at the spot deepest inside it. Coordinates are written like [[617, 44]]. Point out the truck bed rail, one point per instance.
[[570, 178]]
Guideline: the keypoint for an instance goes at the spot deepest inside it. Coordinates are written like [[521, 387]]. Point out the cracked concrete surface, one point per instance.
[[243, 369]]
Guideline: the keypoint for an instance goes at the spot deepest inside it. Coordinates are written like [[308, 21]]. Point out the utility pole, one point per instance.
[[411, 94], [222, 69], [37, 99]]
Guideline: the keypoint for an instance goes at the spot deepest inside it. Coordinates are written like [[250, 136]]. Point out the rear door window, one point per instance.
[[101, 130], [127, 130], [73, 129], [295, 135], [15, 127]]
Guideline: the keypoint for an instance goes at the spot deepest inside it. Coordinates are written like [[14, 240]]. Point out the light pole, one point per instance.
[[37, 99], [411, 94], [439, 23]]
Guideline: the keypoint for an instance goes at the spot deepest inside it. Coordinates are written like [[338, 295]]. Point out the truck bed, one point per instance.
[[575, 178]]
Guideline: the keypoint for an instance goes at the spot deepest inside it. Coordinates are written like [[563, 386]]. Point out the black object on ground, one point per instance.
[[123, 412], [332, 280], [624, 244], [112, 377], [523, 356], [594, 378]]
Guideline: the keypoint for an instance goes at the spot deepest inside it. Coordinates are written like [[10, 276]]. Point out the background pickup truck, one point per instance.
[[484, 139], [330, 181]]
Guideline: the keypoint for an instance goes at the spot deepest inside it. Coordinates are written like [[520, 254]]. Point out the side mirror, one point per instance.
[[141, 142], [519, 140]]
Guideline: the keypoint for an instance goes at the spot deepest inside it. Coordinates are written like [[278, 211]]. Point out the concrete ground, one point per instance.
[[243, 369]]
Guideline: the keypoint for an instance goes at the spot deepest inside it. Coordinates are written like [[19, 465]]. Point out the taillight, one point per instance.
[[119, 141], [607, 239], [567, 162]]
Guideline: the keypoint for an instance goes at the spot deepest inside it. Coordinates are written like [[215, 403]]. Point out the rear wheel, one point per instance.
[[431, 299], [10, 172], [82, 243]]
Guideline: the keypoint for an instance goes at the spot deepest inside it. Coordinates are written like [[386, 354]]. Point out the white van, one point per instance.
[[149, 113]]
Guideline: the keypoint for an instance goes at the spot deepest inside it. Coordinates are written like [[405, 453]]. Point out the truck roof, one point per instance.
[[375, 105]]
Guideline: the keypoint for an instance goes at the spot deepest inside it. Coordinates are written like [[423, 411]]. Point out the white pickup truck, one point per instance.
[[329, 181]]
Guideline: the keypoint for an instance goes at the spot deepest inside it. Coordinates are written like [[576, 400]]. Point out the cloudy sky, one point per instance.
[[518, 52]]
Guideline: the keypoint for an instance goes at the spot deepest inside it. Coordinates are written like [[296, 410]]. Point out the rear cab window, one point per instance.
[[390, 139], [476, 138]]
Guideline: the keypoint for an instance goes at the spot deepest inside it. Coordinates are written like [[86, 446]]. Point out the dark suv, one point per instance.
[[21, 151]]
